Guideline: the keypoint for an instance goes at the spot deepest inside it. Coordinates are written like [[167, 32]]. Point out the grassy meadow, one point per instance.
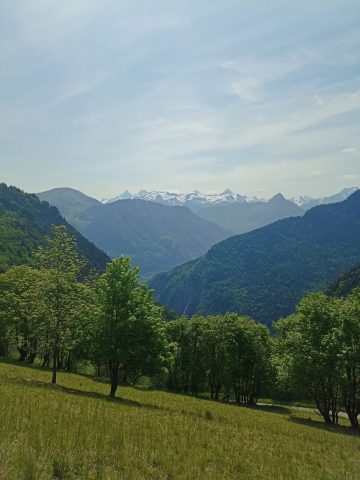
[[72, 431]]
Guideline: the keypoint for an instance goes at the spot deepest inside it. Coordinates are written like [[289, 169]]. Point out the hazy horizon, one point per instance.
[[112, 96], [180, 192]]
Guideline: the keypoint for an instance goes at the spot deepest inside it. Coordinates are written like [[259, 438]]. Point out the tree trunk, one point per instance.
[[45, 362], [211, 391], [352, 413], [31, 357], [69, 363], [54, 368], [114, 378], [23, 353]]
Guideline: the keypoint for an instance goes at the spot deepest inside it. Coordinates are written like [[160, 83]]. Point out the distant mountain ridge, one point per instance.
[[196, 200], [157, 237], [307, 202], [69, 201], [193, 200], [265, 272], [244, 217], [24, 222]]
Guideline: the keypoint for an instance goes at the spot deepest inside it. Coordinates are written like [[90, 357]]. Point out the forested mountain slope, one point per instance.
[[25, 220], [157, 237], [345, 283], [264, 273]]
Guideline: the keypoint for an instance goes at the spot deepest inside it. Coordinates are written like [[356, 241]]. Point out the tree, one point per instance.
[[130, 335], [21, 308], [248, 357], [61, 264], [187, 369], [228, 352], [215, 354], [309, 342], [349, 355]]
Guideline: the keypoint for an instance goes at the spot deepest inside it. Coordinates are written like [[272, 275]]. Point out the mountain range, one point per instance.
[[262, 273], [25, 221], [160, 230], [244, 217], [234, 212], [157, 237], [196, 200], [265, 272]]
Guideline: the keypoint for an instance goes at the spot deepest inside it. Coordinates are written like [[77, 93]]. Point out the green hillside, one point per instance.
[[345, 283], [25, 220], [72, 431], [264, 273]]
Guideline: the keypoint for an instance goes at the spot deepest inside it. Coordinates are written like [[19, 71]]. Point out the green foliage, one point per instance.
[[264, 273], [25, 221], [309, 339], [222, 354], [129, 333], [345, 283], [318, 349], [61, 265], [46, 312], [349, 356], [21, 311]]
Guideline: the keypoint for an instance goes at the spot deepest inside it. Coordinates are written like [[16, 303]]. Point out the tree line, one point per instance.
[[55, 316]]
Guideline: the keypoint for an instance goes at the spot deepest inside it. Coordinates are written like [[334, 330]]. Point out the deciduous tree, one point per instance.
[[130, 332]]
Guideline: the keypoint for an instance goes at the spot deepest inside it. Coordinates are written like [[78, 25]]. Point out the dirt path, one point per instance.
[[298, 409]]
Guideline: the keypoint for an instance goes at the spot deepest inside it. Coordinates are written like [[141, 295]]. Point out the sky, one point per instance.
[[111, 95]]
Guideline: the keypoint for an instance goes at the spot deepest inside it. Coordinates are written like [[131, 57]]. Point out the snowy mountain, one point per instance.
[[194, 200], [306, 202]]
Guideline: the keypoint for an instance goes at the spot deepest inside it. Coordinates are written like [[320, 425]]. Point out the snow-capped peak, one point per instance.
[[184, 199], [196, 200]]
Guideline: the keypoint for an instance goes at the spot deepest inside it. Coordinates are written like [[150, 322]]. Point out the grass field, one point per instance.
[[72, 431]]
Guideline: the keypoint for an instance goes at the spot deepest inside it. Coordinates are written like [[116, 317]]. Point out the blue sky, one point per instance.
[[108, 95]]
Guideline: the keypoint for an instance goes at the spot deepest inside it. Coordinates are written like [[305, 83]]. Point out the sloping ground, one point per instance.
[[72, 431]]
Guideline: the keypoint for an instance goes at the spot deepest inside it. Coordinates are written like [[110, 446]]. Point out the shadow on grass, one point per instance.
[[268, 408], [279, 409], [82, 393], [17, 363], [338, 429]]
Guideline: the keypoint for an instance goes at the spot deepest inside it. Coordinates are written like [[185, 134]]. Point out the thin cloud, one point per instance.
[[79, 89]]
